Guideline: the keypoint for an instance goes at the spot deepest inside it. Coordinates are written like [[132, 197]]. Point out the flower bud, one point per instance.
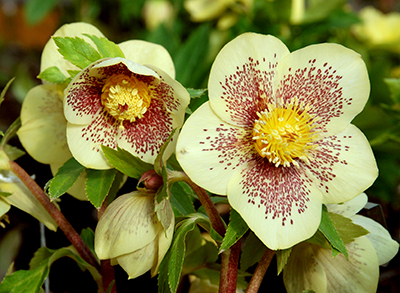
[[130, 234]]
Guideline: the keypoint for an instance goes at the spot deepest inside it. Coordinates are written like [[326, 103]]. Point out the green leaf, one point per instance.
[[164, 191], [25, 281], [72, 73], [171, 266], [115, 187], [252, 251], [65, 178], [394, 88], [200, 257], [4, 91], [282, 257], [196, 93], [36, 10], [12, 152], [10, 132], [106, 47], [181, 202], [53, 75], [98, 184], [77, 51], [125, 162], [236, 229], [347, 230], [328, 228], [87, 236], [31, 281]]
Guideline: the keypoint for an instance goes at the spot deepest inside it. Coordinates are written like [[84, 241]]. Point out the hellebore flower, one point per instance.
[[118, 102], [311, 266], [275, 136], [130, 234]]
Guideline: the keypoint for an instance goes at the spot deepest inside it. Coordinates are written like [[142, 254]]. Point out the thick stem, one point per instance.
[[229, 268], [215, 219], [260, 271], [56, 214]]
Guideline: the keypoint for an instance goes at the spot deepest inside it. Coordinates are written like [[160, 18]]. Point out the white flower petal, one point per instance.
[[143, 52], [282, 206], [349, 208], [304, 271], [140, 261], [85, 142], [128, 224], [344, 165], [330, 78], [43, 125], [51, 56], [386, 248], [209, 150], [242, 78]]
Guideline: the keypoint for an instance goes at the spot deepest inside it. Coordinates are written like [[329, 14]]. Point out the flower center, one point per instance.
[[283, 134], [125, 97]]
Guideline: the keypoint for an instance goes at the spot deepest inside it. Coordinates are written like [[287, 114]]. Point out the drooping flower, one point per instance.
[[275, 136], [311, 266], [130, 234], [378, 30], [118, 102]]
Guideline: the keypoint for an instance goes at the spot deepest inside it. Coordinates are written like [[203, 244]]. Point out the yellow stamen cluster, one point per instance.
[[125, 97], [282, 134]]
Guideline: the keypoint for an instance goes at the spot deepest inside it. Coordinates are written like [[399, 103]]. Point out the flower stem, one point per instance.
[[56, 214], [260, 271], [229, 268], [215, 219]]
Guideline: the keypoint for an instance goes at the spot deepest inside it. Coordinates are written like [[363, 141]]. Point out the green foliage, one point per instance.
[[77, 51], [98, 185], [125, 162], [181, 201], [30, 281], [52, 74], [106, 47], [66, 177], [236, 229], [252, 251], [171, 266], [36, 10], [282, 257]]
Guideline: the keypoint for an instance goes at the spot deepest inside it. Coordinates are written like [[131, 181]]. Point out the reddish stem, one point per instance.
[[260, 271], [56, 214], [229, 268]]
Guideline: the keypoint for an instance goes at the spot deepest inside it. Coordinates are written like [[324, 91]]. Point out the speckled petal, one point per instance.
[[51, 56], [242, 78], [85, 141], [343, 165], [282, 206], [143, 52], [128, 224], [144, 137], [43, 125], [330, 78], [209, 150]]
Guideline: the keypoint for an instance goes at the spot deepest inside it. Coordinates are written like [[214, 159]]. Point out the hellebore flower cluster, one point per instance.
[[275, 136]]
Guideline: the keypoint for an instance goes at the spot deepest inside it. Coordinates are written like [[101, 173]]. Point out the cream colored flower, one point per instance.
[[130, 234], [157, 12], [43, 131], [276, 137], [378, 29], [311, 266]]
